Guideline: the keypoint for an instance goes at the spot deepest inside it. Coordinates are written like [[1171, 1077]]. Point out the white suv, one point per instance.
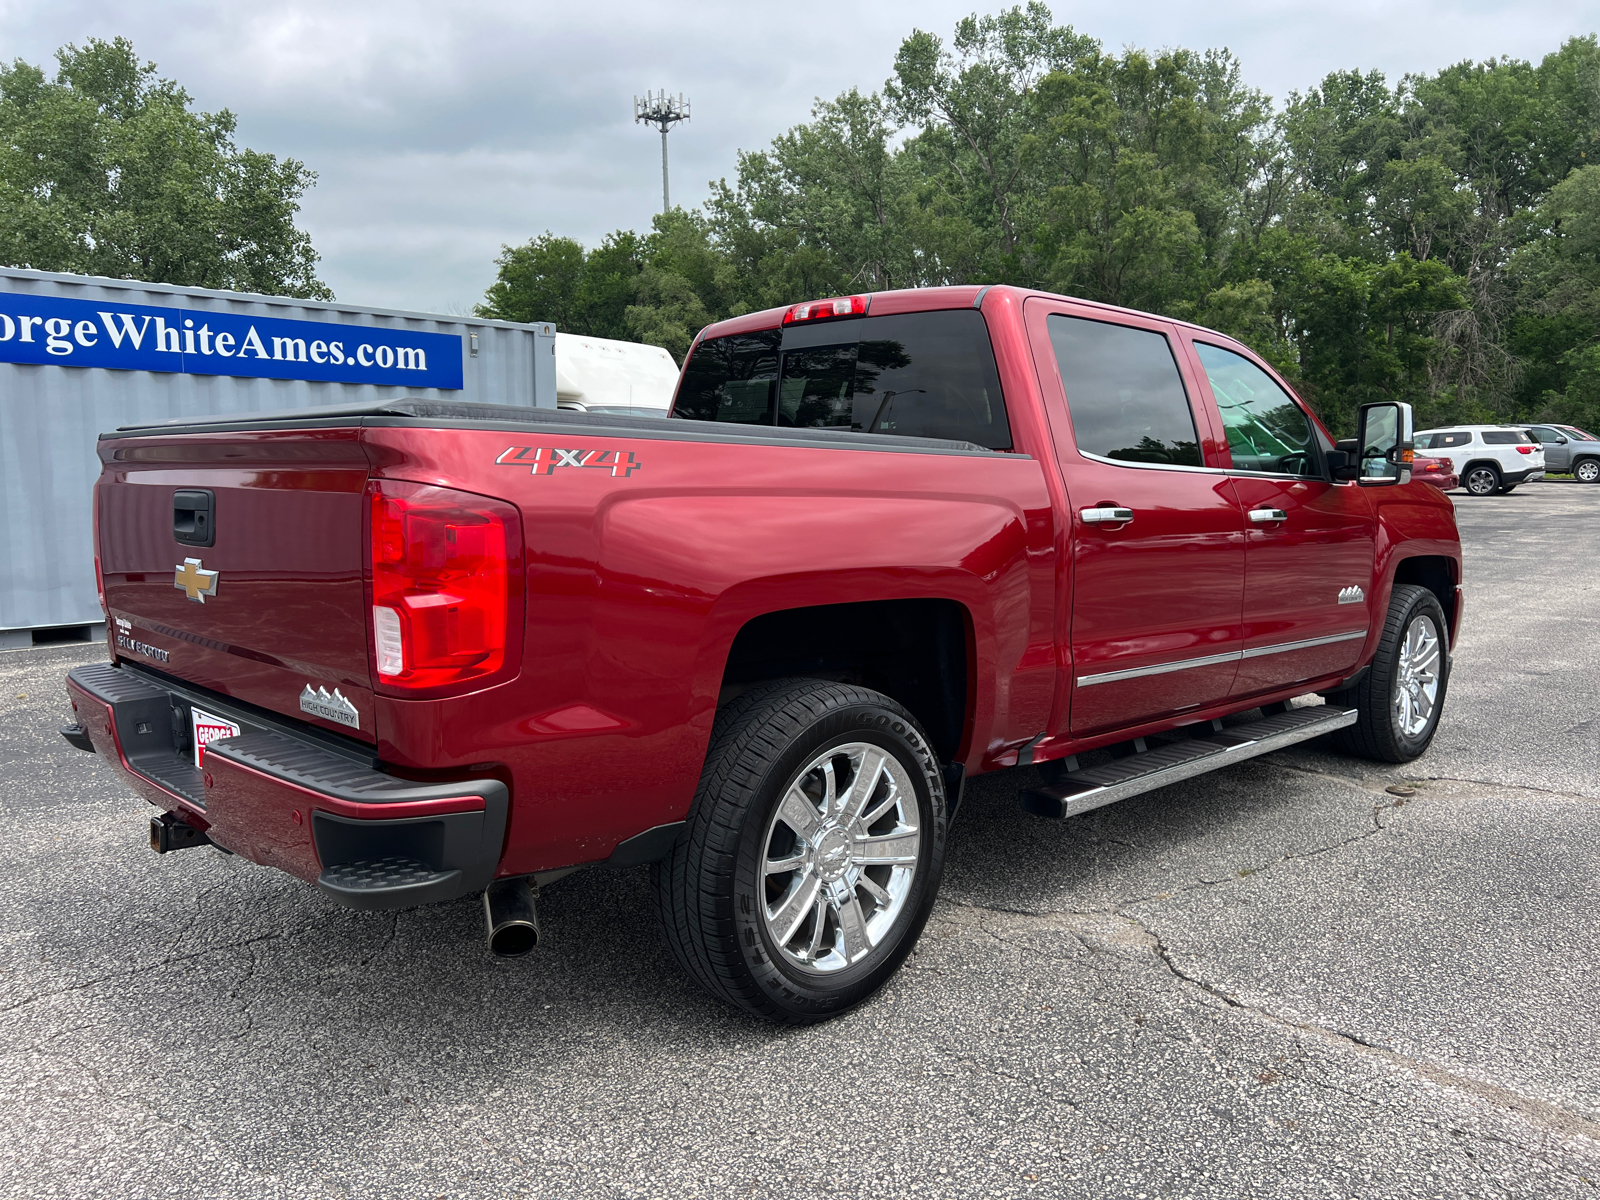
[[1487, 458]]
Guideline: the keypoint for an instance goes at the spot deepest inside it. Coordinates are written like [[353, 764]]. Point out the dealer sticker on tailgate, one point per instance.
[[208, 728]]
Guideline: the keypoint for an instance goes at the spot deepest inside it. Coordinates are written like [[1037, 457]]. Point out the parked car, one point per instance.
[[1488, 459], [1569, 450], [416, 652], [1436, 471]]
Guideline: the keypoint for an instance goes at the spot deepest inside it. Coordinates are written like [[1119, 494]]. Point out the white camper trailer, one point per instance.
[[599, 375]]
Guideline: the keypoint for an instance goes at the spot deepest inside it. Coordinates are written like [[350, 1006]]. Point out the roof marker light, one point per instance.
[[821, 310]]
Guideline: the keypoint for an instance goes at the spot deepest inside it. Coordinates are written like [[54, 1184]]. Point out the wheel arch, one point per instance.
[[1479, 462], [1436, 572], [917, 651]]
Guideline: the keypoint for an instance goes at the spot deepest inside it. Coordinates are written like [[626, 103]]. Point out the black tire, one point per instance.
[[713, 891], [1508, 489], [1481, 479], [1586, 470], [1377, 733]]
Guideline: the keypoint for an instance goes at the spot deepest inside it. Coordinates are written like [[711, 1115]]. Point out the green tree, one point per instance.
[[1557, 330], [105, 170], [1426, 240]]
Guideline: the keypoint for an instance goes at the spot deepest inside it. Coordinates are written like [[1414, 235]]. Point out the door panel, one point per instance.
[[1156, 599], [1296, 570], [1156, 602]]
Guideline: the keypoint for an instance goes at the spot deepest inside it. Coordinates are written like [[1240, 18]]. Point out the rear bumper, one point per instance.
[[1528, 476], [300, 803]]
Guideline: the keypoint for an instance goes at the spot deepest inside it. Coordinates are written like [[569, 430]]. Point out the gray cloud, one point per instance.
[[440, 132]]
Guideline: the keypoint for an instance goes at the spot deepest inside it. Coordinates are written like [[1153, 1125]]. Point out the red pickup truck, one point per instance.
[[416, 651]]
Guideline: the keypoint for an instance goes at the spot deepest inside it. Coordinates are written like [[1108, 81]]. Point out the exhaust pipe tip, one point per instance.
[[511, 910]]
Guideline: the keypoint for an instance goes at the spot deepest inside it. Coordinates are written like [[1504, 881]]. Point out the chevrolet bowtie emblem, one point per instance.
[[194, 581]]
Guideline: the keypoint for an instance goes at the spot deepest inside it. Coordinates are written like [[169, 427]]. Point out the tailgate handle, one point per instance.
[[194, 520]]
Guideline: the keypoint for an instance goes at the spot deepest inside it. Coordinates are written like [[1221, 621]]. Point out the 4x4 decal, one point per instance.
[[544, 460]]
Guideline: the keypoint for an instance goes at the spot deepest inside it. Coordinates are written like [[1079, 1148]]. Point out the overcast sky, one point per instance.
[[441, 131]]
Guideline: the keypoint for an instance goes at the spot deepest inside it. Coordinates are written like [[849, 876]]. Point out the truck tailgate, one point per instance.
[[273, 611]]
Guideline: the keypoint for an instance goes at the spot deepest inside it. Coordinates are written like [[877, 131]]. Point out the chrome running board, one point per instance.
[[1094, 787]]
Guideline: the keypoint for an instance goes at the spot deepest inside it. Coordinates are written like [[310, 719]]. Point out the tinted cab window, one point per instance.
[[914, 374], [1124, 393]]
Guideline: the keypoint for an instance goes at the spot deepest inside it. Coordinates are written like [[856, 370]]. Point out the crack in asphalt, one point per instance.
[[1546, 1117], [139, 969]]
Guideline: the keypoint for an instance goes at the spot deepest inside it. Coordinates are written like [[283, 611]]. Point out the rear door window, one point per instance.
[[731, 379], [1443, 441], [1267, 431], [928, 374], [1124, 393]]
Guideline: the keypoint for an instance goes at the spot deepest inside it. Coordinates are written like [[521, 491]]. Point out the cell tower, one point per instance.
[[662, 111]]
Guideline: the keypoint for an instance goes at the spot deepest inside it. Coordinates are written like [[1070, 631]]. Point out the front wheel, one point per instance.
[[1481, 480], [812, 854], [1401, 695], [1587, 471]]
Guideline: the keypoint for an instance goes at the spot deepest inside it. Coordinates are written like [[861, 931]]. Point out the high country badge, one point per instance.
[[330, 706]]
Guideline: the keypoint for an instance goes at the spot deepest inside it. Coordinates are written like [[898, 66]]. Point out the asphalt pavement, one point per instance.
[[1278, 980]]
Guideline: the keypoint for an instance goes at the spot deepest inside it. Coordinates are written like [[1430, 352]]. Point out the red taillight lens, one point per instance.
[[1526, 449], [446, 585], [821, 310]]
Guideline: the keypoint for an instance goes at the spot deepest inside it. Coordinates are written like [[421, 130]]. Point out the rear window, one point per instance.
[[1506, 437], [927, 374]]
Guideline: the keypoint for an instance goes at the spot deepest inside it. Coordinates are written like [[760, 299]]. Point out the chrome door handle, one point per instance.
[[1263, 516], [1106, 516]]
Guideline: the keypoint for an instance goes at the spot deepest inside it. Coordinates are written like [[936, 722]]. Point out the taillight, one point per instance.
[[99, 576], [1526, 449], [821, 310], [446, 585]]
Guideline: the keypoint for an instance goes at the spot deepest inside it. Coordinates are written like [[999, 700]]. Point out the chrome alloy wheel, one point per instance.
[[839, 857], [1481, 481], [1416, 689]]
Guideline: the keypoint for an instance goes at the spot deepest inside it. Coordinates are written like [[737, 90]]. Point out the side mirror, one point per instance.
[[1560, 441], [1384, 442]]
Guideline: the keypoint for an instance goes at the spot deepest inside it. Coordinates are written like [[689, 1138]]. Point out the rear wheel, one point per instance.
[[812, 854], [1587, 470], [1481, 480], [1401, 695]]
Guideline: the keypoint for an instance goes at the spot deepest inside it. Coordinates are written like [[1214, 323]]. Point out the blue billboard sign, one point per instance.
[[206, 341]]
